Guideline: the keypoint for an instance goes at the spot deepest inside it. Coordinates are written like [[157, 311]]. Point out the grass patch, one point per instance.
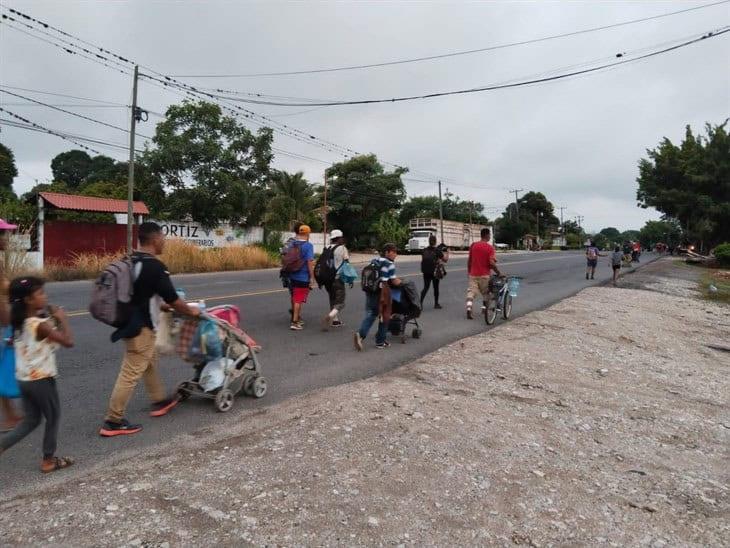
[[720, 279], [179, 256]]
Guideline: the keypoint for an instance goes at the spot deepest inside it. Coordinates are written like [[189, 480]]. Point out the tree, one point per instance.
[[292, 199], [654, 232], [600, 241], [629, 236], [455, 209], [613, 234], [388, 229], [572, 227], [216, 169], [8, 171], [359, 192], [71, 167], [510, 230], [690, 183], [574, 241], [518, 221]]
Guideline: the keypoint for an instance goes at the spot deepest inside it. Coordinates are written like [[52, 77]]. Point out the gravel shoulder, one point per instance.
[[601, 420]]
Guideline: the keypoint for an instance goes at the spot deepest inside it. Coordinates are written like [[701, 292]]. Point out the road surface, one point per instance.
[[293, 362]]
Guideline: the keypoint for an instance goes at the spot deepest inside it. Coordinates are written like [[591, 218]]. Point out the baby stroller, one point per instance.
[[225, 358], [406, 310]]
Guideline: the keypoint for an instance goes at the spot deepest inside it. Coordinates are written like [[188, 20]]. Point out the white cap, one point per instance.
[[336, 233]]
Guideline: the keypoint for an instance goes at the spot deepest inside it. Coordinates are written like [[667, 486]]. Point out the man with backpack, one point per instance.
[[433, 269], [326, 272], [298, 266], [592, 254], [377, 278], [150, 279]]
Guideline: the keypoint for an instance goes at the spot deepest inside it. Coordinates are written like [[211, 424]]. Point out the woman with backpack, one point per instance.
[[592, 254], [432, 268]]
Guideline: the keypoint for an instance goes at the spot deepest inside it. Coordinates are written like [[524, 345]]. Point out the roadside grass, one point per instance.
[[180, 258], [720, 279]]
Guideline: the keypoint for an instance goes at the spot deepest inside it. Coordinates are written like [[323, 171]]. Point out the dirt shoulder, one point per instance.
[[602, 419]]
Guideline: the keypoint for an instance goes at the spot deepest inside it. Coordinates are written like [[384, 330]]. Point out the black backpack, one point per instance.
[[370, 277], [324, 269]]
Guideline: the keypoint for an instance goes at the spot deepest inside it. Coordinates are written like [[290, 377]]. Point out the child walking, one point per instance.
[[36, 340]]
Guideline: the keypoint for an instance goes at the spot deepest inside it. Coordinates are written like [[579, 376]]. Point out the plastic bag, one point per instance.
[[347, 273], [163, 337], [8, 384], [206, 344], [214, 373]]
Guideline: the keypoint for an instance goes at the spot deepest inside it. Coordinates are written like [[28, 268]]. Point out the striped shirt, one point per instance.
[[387, 270]]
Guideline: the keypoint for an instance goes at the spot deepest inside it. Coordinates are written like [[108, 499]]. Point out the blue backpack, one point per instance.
[[8, 384]]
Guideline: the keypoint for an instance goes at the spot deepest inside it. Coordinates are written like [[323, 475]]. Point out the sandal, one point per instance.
[[56, 463]]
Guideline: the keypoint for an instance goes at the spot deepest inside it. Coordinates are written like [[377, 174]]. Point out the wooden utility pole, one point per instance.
[[441, 213], [324, 216], [130, 180]]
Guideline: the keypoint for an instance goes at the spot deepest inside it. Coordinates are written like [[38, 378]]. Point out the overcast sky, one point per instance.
[[576, 140]]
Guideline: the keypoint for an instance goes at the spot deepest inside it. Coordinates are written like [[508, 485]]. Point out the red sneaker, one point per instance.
[[163, 407]]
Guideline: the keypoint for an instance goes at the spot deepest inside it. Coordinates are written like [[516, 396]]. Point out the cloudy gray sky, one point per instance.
[[577, 140]]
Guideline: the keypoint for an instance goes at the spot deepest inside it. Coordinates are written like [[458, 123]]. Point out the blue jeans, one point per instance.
[[372, 301]]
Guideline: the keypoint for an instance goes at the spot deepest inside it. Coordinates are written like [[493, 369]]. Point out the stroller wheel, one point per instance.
[[248, 385], [224, 400], [416, 333], [183, 390], [259, 387]]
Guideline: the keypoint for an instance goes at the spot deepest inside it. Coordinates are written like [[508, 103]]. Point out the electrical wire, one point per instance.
[[455, 53], [110, 103], [49, 131], [88, 118], [493, 87]]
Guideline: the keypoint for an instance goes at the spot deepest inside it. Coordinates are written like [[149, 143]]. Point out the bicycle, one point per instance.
[[503, 290]]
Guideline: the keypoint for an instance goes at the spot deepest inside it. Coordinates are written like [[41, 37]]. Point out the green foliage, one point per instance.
[[455, 209], [389, 229], [71, 167], [572, 227], [690, 182], [8, 171], [613, 234], [722, 252], [216, 169], [629, 236], [272, 243], [600, 241], [510, 231], [516, 222], [574, 241], [653, 232], [359, 192], [292, 199], [16, 211]]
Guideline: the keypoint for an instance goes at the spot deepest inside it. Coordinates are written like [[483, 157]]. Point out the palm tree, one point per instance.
[[293, 199]]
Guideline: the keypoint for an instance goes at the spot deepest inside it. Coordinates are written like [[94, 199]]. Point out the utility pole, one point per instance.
[[517, 203], [324, 216], [130, 180], [441, 213], [562, 227]]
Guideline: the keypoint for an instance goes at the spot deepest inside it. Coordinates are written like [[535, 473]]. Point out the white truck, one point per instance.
[[457, 235]]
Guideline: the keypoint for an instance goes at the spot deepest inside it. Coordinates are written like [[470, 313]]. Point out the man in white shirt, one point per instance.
[[336, 289]]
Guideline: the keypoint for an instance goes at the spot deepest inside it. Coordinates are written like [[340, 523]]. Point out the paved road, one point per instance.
[[293, 362]]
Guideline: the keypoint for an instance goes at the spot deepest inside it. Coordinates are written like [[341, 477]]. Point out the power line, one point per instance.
[[65, 95], [88, 118], [493, 87], [65, 105], [454, 53], [46, 130]]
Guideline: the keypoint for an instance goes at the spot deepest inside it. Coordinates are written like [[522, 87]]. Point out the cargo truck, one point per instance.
[[457, 235]]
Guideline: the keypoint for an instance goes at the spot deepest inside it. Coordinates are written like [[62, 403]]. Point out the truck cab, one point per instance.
[[418, 240]]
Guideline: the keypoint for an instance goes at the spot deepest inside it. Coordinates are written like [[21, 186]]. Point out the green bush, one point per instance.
[[722, 252]]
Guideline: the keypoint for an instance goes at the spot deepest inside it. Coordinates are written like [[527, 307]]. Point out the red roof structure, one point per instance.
[[89, 203]]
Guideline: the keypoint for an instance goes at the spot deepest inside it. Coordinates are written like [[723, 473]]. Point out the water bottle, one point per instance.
[[201, 306], [180, 293]]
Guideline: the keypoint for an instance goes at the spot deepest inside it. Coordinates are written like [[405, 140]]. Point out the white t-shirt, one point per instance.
[[341, 255], [34, 359]]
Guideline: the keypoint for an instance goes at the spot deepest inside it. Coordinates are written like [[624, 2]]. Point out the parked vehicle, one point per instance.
[[456, 235]]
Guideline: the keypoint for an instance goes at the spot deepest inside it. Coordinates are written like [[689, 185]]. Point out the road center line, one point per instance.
[[79, 313]]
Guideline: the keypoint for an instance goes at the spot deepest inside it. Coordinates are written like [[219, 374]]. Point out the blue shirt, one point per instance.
[[387, 270], [307, 254]]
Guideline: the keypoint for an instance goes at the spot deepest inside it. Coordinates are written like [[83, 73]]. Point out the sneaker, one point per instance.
[[337, 323], [358, 341], [586, 276], [296, 326], [380, 346], [437, 306], [163, 407], [469, 314], [121, 428]]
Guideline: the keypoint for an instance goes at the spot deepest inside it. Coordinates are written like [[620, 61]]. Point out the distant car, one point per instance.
[[501, 246]]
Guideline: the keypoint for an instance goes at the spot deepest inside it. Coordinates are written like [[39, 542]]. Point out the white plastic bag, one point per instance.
[[163, 337], [214, 373]]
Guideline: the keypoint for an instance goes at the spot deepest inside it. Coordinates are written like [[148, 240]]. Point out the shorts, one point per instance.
[[299, 293], [478, 285], [592, 263], [616, 266]]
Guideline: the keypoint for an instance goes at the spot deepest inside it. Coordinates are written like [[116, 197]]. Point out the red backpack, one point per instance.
[[291, 260]]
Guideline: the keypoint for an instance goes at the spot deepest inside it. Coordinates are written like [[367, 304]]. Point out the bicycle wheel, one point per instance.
[[490, 312], [507, 306]]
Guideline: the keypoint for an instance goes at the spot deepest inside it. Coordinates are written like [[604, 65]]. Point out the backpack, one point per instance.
[[111, 296], [324, 269], [592, 253], [291, 259], [370, 277]]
